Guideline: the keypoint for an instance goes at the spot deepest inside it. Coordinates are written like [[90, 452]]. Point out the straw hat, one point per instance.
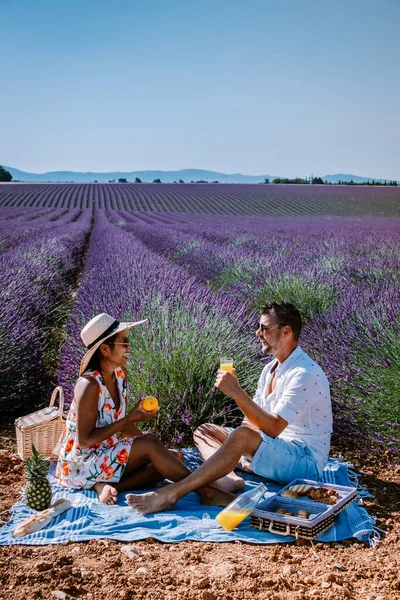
[[99, 329]]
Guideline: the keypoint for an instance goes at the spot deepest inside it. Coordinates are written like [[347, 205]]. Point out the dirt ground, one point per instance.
[[203, 571]]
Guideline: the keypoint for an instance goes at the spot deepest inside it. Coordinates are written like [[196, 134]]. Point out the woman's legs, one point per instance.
[[139, 473], [144, 476], [149, 462], [209, 438]]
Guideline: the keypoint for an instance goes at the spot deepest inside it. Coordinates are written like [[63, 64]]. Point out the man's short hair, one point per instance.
[[285, 314]]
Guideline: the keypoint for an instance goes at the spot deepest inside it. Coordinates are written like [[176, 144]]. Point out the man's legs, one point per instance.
[[209, 438], [244, 440]]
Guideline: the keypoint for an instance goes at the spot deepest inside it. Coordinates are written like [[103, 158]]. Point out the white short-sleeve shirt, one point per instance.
[[302, 398]]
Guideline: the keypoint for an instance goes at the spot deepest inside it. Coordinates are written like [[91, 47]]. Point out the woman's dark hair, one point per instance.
[[285, 314], [94, 363]]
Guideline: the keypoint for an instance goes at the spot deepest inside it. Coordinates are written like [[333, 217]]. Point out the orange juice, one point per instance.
[[150, 404], [226, 364], [241, 507], [229, 519]]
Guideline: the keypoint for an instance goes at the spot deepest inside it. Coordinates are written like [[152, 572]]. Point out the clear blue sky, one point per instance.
[[287, 87]]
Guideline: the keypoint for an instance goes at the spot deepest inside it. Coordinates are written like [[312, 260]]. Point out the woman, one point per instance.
[[92, 454]]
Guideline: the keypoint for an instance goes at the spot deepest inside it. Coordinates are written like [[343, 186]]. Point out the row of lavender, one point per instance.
[[17, 224], [254, 199], [40, 254], [344, 275], [175, 356]]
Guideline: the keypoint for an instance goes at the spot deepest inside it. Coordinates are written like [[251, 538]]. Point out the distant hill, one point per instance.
[[348, 177], [186, 175]]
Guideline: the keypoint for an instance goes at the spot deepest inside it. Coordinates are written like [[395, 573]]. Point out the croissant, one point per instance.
[[324, 495], [329, 500], [289, 494], [301, 489]]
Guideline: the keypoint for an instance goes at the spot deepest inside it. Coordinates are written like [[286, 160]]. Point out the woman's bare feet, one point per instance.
[[106, 492], [165, 499]]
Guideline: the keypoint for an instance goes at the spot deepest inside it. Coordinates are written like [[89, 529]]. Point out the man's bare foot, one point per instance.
[[106, 492], [165, 499], [229, 484], [151, 502]]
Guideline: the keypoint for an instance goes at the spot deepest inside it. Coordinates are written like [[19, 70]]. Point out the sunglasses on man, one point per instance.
[[268, 328]]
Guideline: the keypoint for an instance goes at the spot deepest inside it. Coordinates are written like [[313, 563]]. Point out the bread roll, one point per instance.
[[303, 514]]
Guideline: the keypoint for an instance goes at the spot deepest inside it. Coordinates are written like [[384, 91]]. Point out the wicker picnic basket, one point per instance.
[[265, 517], [41, 428]]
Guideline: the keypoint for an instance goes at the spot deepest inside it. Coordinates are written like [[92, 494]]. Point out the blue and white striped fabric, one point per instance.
[[90, 519]]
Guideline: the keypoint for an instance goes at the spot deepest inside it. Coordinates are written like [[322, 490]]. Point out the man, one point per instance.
[[286, 431]]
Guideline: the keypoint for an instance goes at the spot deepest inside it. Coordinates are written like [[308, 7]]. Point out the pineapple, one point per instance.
[[38, 489]]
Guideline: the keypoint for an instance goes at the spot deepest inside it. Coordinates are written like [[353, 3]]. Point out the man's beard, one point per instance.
[[265, 349]]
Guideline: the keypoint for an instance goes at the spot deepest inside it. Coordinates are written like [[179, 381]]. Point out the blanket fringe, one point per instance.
[[354, 477], [375, 536], [371, 535]]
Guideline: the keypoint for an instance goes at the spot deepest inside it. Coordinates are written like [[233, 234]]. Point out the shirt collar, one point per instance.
[[281, 368]]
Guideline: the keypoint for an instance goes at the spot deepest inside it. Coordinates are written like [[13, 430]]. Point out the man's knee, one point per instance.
[[247, 438], [241, 433]]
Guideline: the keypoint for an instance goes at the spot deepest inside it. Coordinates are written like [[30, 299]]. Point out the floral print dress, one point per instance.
[[82, 468]]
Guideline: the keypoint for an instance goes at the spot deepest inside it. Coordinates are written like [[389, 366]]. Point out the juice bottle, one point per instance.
[[229, 519], [240, 508]]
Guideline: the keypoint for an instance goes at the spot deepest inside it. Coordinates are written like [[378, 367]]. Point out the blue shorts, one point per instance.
[[284, 460]]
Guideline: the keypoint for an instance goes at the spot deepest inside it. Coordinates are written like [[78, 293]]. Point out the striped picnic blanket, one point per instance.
[[89, 519]]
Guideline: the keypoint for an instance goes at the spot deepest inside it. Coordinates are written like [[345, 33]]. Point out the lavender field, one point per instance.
[[200, 279], [255, 199]]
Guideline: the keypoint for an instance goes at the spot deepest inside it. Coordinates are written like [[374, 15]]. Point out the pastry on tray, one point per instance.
[[301, 489], [323, 495], [316, 493], [289, 494]]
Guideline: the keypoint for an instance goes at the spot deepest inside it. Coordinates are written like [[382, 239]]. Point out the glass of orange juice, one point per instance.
[[226, 364]]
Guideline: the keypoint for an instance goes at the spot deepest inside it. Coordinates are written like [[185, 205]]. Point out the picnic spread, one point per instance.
[[87, 518]]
